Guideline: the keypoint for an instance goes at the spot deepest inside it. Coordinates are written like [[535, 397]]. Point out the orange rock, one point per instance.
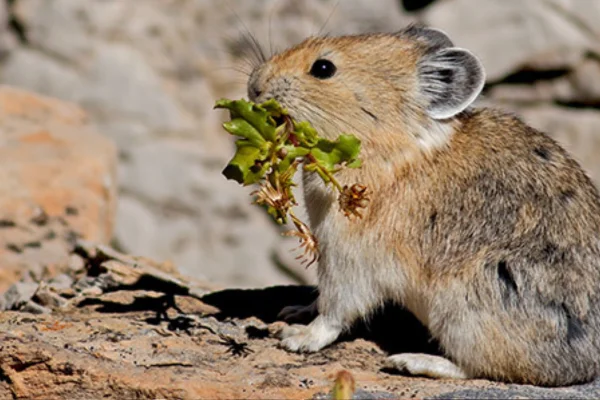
[[57, 181], [52, 160]]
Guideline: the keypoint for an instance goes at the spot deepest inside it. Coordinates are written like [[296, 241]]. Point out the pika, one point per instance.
[[481, 226]]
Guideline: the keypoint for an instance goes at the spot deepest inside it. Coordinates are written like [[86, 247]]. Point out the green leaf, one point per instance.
[[344, 150], [274, 108], [261, 143], [306, 134], [242, 128], [244, 168], [255, 115], [357, 163]]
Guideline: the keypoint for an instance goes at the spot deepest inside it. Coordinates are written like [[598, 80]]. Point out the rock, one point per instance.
[[154, 334], [584, 13], [8, 40], [53, 162], [57, 183], [48, 297], [61, 282], [62, 31], [34, 308], [579, 86], [509, 36], [18, 294], [586, 83], [51, 78]]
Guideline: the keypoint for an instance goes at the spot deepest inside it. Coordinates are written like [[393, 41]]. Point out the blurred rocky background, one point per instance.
[[147, 73]]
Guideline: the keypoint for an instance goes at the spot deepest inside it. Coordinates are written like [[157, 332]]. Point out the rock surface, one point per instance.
[[123, 327], [57, 183], [508, 35], [148, 73]]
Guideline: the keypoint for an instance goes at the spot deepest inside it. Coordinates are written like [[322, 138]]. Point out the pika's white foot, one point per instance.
[[299, 313], [309, 338], [426, 365]]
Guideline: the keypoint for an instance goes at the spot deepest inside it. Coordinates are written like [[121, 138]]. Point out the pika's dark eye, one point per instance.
[[323, 69]]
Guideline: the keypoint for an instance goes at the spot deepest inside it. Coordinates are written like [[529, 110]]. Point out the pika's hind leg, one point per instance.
[[295, 314], [426, 365]]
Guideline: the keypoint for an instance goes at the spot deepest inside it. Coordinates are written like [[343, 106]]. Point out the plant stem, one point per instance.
[[325, 172]]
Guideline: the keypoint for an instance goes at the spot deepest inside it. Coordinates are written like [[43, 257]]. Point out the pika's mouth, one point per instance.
[[281, 119], [281, 102]]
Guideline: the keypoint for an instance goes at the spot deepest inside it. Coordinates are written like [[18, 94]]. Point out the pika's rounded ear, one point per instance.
[[450, 79], [434, 39]]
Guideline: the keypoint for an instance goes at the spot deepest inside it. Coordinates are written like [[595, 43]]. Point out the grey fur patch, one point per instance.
[[432, 220], [506, 277], [567, 195], [542, 153], [574, 325]]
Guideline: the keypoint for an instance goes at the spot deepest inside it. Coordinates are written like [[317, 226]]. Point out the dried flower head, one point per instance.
[[308, 242], [272, 196], [278, 198], [352, 199]]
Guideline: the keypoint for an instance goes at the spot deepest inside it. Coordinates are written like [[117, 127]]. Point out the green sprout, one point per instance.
[[270, 148], [344, 386]]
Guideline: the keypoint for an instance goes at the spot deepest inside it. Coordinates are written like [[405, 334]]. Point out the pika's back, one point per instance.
[[520, 185]]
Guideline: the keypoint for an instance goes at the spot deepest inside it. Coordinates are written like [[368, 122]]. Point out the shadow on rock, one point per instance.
[[141, 303], [392, 328], [263, 304]]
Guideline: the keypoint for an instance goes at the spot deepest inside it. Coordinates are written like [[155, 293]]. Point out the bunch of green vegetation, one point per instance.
[[270, 149]]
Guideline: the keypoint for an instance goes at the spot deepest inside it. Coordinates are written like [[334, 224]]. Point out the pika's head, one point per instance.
[[401, 84]]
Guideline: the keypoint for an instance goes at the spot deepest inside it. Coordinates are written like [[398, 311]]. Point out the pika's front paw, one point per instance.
[[308, 338], [298, 338]]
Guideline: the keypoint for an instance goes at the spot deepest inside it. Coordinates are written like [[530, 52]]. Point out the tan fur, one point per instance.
[[486, 229]]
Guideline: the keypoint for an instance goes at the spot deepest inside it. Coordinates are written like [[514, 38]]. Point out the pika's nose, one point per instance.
[[256, 84], [254, 91]]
